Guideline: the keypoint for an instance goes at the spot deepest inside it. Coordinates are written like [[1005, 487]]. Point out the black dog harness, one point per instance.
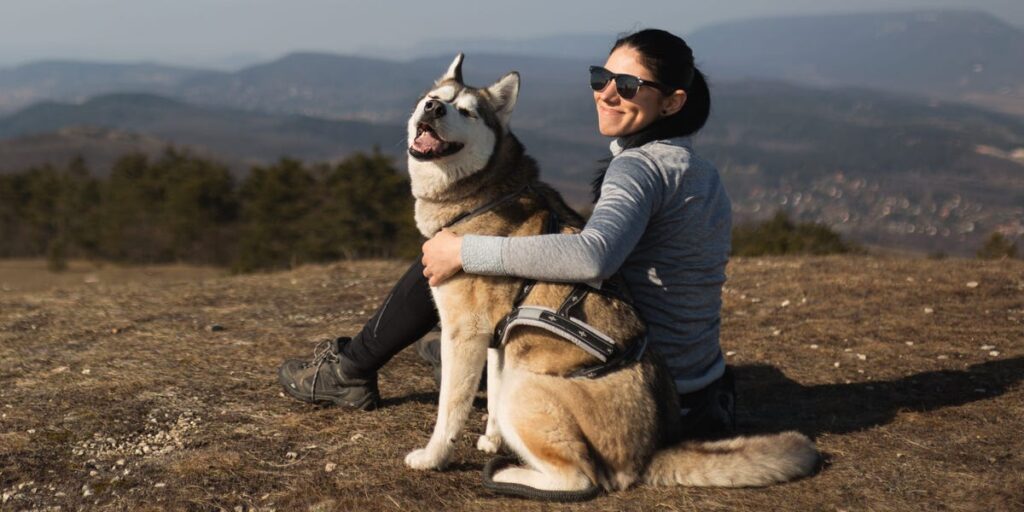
[[562, 322]]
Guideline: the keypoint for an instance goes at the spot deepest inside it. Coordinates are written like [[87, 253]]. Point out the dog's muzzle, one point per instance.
[[428, 145]]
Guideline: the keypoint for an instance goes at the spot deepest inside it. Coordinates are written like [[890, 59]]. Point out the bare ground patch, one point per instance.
[[907, 372]]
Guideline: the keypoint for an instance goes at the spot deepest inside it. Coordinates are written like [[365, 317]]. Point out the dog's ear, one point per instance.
[[503, 94], [454, 70]]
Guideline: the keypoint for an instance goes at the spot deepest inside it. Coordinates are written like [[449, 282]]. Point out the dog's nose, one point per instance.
[[434, 108]]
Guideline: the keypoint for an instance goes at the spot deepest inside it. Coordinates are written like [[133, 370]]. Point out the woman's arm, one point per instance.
[[631, 191]]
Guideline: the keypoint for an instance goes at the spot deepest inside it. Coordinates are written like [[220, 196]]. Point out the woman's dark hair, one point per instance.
[[670, 60]]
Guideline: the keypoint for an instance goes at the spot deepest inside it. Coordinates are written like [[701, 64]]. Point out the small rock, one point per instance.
[[987, 347], [730, 353], [972, 284], [86, 371], [994, 353], [159, 485], [330, 466], [214, 328], [7, 496], [836, 364], [31, 431], [928, 311], [908, 343], [942, 357], [776, 332], [784, 303], [94, 473], [86, 491], [862, 357], [291, 455], [814, 346], [847, 350], [355, 437]]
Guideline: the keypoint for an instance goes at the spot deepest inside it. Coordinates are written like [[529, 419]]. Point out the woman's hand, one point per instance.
[[442, 257]]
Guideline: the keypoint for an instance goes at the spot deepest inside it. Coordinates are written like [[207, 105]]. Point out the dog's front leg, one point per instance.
[[490, 442], [462, 362]]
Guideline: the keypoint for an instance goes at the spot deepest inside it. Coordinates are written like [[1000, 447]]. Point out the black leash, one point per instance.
[[486, 207]]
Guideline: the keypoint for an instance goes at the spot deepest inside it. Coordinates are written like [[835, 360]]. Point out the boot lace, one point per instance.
[[325, 352]]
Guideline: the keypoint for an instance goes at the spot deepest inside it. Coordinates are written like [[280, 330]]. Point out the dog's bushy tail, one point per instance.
[[740, 462]]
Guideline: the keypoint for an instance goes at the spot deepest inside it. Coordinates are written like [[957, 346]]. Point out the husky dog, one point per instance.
[[574, 434]]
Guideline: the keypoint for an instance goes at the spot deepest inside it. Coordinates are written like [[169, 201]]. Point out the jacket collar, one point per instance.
[[616, 145]]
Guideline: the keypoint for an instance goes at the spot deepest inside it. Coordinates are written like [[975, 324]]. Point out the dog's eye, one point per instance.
[[465, 112]]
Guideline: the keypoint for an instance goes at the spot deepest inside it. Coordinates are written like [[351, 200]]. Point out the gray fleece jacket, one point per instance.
[[664, 221]]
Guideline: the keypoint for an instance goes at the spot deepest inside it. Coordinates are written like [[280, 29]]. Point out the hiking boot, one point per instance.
[[322, 381], [710, 413], [429, 349]]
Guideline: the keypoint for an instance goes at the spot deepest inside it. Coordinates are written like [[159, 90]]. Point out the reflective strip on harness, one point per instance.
[[581, 334]]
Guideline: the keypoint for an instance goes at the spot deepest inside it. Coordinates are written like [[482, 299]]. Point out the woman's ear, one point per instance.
[[673, 102]]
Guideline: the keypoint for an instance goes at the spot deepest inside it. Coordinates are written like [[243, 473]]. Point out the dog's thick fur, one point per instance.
[[572, 433]]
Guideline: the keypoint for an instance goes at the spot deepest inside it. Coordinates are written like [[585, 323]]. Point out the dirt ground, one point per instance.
[[151, 393]]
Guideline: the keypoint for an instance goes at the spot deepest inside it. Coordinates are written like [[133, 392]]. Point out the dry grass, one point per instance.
[[122, 388]]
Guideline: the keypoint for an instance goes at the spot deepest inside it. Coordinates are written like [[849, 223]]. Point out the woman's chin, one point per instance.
[[610, 130]]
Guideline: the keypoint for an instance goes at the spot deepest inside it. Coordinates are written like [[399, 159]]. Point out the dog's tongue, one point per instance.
[[427, 142]]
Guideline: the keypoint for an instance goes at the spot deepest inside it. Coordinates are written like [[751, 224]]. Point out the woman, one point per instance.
[[661, 218]]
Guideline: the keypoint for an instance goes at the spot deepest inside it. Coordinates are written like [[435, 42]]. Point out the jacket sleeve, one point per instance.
[[631, 193]]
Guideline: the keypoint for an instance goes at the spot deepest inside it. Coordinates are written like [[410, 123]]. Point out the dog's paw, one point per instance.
[[488, 444], [425, 458]]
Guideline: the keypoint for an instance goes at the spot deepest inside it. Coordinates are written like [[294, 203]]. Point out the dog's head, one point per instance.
[[455, 128]]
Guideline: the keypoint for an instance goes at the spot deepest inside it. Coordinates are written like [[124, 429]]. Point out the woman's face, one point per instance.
[[617, 116]]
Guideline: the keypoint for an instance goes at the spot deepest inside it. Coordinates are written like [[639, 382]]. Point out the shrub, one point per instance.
[[779, 236], [997, 247]]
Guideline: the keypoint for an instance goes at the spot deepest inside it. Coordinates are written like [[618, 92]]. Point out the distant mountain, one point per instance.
[[377, 90], [75, 81], [967, 55], [952, 54], [233, 134], [881, 168]]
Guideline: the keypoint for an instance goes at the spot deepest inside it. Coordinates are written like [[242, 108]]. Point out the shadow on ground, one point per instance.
[[768, 401]]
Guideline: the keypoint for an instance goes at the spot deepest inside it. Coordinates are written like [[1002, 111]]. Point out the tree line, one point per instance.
[[180, 207]]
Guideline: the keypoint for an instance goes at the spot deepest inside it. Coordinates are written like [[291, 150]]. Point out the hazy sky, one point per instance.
[[219, 32]]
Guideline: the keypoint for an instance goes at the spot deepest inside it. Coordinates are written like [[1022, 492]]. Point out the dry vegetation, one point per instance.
[[123, 395]]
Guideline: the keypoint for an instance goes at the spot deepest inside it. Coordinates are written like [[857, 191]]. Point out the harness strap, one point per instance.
[[581, 334], [575, 297], [561, 322], [486, 207], [633, 354]]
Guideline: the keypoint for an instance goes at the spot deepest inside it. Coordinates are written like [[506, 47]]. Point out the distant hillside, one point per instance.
[[883, 169], [76, 81], [955, 54], [100, 147], [233, 134]]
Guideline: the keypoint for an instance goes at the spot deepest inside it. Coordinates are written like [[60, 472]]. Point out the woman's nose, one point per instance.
[[608, 93]]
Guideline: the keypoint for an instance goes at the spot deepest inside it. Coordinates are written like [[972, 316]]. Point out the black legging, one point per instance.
[[407, 314]]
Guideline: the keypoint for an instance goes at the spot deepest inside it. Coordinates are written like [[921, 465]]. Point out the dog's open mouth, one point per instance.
[[428, 145]]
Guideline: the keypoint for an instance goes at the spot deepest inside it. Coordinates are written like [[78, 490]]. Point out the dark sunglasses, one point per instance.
[[626, 85]]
